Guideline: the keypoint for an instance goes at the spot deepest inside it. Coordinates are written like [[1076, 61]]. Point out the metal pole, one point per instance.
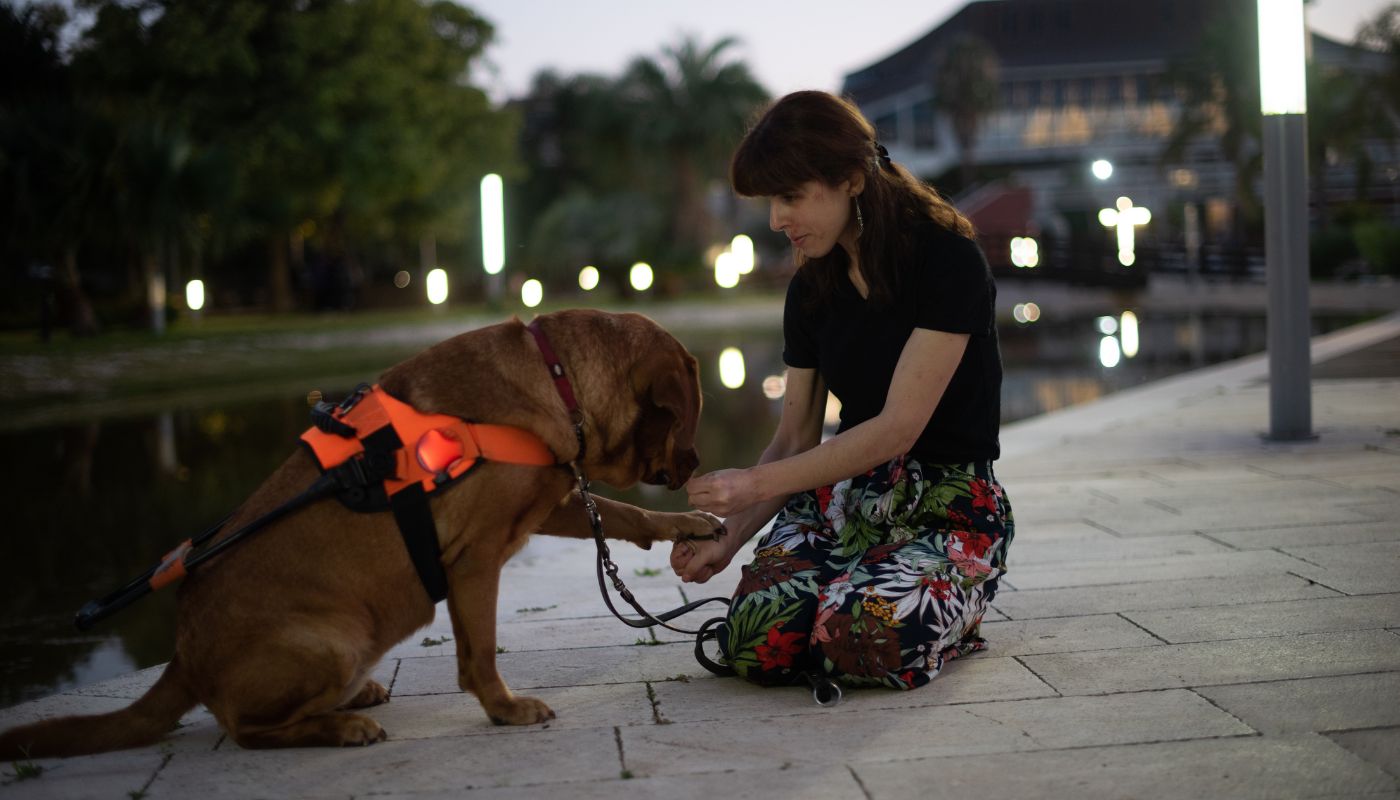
[[1286, 256]]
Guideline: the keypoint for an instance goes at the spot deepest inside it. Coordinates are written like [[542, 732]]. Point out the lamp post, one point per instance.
[[1283, 101]]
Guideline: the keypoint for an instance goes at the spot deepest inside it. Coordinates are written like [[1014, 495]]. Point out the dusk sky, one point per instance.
[[790, 45]]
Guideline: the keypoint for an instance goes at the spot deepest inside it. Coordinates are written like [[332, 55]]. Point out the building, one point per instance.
[[1088, 80]]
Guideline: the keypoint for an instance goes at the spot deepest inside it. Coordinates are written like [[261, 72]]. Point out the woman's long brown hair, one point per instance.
[[813, 135]]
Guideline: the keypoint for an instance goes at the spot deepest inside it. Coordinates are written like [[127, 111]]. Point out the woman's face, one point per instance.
[[815, 217]]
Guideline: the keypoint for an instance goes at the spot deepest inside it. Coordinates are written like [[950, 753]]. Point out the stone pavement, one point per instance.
[[1191, 611]]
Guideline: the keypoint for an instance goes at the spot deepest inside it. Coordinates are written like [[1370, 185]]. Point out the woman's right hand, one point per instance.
[[696, 561]]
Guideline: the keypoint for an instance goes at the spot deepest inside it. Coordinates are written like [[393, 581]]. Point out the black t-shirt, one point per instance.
[[855, 344]]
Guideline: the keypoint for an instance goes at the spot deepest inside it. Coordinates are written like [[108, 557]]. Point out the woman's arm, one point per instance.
[[925, 366], [799, 429]]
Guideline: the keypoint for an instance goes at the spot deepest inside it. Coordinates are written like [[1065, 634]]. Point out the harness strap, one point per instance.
[[415, 521]]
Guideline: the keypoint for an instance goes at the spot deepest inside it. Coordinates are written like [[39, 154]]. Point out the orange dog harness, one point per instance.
[[428, 450], [387, 455]]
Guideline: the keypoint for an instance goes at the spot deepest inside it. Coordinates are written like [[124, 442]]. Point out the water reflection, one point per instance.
[[97, 503]]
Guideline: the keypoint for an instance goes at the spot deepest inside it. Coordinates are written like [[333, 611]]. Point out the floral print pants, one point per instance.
[[877, 580]]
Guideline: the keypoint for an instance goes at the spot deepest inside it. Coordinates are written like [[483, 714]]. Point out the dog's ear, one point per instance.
[[669, 404]]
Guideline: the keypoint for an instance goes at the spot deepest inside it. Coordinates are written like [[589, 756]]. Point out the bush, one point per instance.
[[1378, 243], [1329, 250]]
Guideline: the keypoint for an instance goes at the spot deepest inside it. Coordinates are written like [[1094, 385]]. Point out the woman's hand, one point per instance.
[[697, 560], [724, 492]]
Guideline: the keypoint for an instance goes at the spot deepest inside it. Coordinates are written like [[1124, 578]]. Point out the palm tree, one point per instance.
[[688, 110], [966, 83]]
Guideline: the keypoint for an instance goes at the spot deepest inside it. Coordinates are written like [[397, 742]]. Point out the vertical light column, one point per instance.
[[1283, 101], [493, 234]]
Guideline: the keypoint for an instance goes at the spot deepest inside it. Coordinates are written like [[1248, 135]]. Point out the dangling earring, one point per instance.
[[860, 218]]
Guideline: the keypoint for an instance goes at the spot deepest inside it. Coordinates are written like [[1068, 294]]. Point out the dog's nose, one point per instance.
[[686, 462]]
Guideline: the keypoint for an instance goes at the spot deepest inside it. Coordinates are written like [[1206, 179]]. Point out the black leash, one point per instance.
[[103, 607]]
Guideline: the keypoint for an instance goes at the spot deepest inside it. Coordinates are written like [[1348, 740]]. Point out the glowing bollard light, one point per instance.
[[641, 276], [731, 368], [1102, 169], [742, 248], [1025, 252], [194, 295], [437, 286], [531, 293], [493, 224], [1129, 335], [1124, 217], [588, 278], [726, 271], [774, 386], [1109, 354]]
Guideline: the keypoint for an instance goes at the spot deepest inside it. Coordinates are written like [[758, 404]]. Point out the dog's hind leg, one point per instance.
[[474, 621], [287, 695]]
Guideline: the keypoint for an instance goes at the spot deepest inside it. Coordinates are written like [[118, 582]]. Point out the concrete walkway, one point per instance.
[[1190, 612]]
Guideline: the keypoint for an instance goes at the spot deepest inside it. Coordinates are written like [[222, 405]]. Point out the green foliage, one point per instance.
[[1379, 245], [174, 130], [620, 168]]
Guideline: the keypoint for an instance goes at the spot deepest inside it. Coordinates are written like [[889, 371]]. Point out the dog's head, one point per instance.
[[667, 385]]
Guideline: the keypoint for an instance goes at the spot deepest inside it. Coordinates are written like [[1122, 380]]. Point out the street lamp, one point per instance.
[[1102, 169], [1283, 101]]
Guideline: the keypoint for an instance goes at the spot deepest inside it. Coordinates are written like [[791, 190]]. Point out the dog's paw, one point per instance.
[[521, 711], [357, 730], [694, 525], [371, 694]]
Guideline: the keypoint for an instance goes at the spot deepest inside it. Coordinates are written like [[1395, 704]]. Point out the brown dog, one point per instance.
[[277, 637]]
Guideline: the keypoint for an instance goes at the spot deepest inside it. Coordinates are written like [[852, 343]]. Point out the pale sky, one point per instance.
[[790, 45]]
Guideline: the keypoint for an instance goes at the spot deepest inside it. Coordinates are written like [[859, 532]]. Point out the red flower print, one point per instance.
[[823, 499], [940, 588], [780, 649], [982, 495], [973, 545], [959, 519]]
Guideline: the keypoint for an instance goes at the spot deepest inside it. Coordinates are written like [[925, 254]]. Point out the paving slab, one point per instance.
[[864, 736], [434, 715], [821, 783], [1271, 619], [1064, 635], [1365, 568], [975, 679], [1309, 535], [1105, 547], [1379, 747], [1101, 672], [1224, 564], [1140, 519], [526, 758], [1246, 767], [106, 775], [574, 667], [1334, 703], [1193, 593]]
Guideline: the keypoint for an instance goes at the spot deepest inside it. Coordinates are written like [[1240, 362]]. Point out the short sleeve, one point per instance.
[[953, 287], [799, 326]]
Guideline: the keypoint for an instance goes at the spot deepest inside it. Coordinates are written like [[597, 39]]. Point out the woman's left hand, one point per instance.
[[723, 492]]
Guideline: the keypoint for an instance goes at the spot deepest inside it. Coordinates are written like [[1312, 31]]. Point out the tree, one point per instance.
[[966, 84], [1218, 88], [48, 162]]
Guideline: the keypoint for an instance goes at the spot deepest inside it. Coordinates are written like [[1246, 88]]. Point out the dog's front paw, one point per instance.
[[694, 525], [357, 730], [521, 711]]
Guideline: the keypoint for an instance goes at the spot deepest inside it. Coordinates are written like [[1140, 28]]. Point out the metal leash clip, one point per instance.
[[826, 692]]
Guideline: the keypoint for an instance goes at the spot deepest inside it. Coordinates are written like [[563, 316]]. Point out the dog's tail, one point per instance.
[[141, 723]]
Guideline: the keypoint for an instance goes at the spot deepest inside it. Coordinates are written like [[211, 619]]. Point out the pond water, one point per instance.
[[94, 505]]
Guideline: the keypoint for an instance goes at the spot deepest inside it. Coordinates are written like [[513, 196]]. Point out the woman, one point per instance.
[[890, 536]]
